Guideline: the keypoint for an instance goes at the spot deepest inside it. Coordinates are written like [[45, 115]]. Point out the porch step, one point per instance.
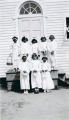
[[54, 75], [62, 76], [63, 84], [67, 81], [59, 78], [62, 80], [11, 75]]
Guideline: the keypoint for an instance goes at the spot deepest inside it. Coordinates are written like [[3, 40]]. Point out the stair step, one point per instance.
[[67, 80], [62, 77], [54, 74]]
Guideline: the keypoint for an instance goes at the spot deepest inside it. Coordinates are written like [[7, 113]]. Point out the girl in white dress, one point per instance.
[[47, 82], [43, 47], [24, 74], [25, 47], [35, 76], [34, 46], [15, 52], [52, 45]]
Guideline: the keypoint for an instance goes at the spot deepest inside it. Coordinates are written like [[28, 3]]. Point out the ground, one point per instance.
[[43, 106]]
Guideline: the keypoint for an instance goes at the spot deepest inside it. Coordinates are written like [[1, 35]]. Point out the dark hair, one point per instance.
[[15, 38], [23, 38], [45, 58], [34, 41], [24, 56], [34, 54], [43, 38], [51, 37], [26, 39]]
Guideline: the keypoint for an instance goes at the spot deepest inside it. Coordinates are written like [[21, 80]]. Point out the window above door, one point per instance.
[[30, 7]]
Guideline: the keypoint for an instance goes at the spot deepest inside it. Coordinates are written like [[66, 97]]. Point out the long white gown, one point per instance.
[[15, 52], [47, 82], [24, 48], [43, 46], [34, 48], [36, 77], [52, 46], [24, 77]]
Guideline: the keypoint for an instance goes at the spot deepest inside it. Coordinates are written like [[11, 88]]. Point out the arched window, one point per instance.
[[30, 7]]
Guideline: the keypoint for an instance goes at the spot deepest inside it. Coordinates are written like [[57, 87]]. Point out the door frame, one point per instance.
[[31, 16], [17, 16]]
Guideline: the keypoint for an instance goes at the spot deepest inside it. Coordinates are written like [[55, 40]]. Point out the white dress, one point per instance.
[[47, 82], [15, 52], [52, 45], [43, 46], [36, 77], [25, 48], [34, 48], [24, 77]]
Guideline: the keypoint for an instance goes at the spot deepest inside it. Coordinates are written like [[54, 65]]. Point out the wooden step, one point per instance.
[[54, 75], [62, 76], [67, 80], [12, 75]]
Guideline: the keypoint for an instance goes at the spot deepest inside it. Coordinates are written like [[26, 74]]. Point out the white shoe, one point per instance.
[[44, 91], [25, 92], [48, 91]]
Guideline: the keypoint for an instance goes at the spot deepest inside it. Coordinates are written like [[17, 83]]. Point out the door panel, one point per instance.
[[35, 24], [26, 33], [24, 28], [35, 34], [36, 28], [30, 27], [25, 25]]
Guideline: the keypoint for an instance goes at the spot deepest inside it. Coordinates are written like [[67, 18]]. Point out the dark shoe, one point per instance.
[[36, 90]]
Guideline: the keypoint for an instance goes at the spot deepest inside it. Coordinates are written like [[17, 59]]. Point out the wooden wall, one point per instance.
[[54, 13], [55, 24]]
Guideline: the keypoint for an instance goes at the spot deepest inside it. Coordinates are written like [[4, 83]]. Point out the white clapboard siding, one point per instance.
[[55, 12], [7, 30], [54, 24]]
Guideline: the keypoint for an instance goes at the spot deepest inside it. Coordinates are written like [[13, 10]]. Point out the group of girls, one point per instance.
[[37, 58]]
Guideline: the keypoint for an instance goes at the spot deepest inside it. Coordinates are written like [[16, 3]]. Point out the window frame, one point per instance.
[[29, 7], [65, 34]]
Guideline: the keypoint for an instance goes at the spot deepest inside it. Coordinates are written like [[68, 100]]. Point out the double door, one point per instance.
[[30, 27]]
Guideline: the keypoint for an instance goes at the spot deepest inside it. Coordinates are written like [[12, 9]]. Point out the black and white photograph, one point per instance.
[[34, 59]]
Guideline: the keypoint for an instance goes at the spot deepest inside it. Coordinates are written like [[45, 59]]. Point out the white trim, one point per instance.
[[17, 28], [64, 28], [29, 16]]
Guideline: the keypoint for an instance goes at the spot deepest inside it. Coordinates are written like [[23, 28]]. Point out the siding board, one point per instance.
[[7, 30]]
